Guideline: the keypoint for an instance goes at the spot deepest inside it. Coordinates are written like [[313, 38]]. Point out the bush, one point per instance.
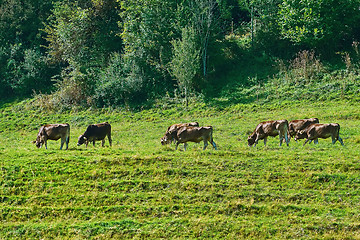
[[119, 84], [24, 71]]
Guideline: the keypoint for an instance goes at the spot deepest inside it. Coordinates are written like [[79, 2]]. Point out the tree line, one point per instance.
[[113, 52]]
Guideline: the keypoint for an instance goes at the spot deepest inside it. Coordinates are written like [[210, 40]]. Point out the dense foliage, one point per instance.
[[112, 52]]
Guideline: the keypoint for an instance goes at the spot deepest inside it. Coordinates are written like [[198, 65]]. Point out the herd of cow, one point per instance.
[[93, 133], [310, 129]]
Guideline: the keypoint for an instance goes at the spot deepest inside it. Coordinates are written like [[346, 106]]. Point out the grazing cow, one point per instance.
[[53, 132], [171, 132], [270, 128], [96, 132], [301, 124], [195, 134], [317, 130]]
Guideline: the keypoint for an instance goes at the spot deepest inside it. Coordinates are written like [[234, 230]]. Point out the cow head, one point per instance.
[[300, 135], [81, 140], [163, 140], [166, 139], [251, 140], [38, 142]]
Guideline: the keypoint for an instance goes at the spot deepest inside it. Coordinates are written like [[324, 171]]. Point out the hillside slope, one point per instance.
[[140, 189]]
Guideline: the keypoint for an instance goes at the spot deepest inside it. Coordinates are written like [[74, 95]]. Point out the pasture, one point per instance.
[[141, 189]]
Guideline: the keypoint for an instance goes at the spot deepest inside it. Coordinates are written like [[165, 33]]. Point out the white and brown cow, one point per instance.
[[300, 124], [270, 128], [195, 134], [171, 132], [96, 132], [53, 132], [317, 130]]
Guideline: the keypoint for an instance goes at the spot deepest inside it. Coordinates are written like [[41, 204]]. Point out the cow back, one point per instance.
[[194, 134], [55, 131], [301, 124], [171, 132], [98, 131], [272, 128]]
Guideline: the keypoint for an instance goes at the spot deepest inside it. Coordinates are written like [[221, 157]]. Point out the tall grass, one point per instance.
[[304, 78]]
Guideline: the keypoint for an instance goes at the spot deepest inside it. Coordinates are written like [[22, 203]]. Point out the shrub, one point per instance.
[[120, 83], [24, 71]]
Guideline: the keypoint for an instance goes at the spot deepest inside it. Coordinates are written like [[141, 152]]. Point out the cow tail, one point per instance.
[[211, 134], [287, 132], [211, 138], [338, 132], [68, 136]]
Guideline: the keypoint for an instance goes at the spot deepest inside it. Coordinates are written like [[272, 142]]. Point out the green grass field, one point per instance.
[[141, 189]]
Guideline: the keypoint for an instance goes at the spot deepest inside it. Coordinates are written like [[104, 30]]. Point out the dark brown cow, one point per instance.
[[195, 134], [301, 124], [317, 130], [270, 128], [53, 132], [171, 132], [96, 132]]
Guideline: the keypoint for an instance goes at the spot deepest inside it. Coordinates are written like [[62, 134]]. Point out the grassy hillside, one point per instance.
[[140, 189]]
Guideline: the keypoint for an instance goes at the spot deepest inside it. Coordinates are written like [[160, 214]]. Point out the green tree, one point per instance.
[[185, 63], [119, 83], [23, 65], [201, 15], [148, 28], [324, 24], [81, 36]]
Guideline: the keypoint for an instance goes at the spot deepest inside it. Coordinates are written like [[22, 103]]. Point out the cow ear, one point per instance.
[[33, 142]]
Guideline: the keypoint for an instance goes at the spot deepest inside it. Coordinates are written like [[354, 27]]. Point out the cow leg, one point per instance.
[[94, 143], [185, 145], [333, 139], [205, 144], [287, 139], [306, 141], [177, 144], [265, 140], [103, 142], [281, 140], [110, 141], [67, 142], [213, 144], [45, 142], [62, 143], [341, 141]]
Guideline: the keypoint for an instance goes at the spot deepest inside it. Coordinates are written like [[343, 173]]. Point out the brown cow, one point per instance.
[[270, 128], [96, 132], [171, 132], [195, 134], [301, 124], [53, 132], [317, 130]]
